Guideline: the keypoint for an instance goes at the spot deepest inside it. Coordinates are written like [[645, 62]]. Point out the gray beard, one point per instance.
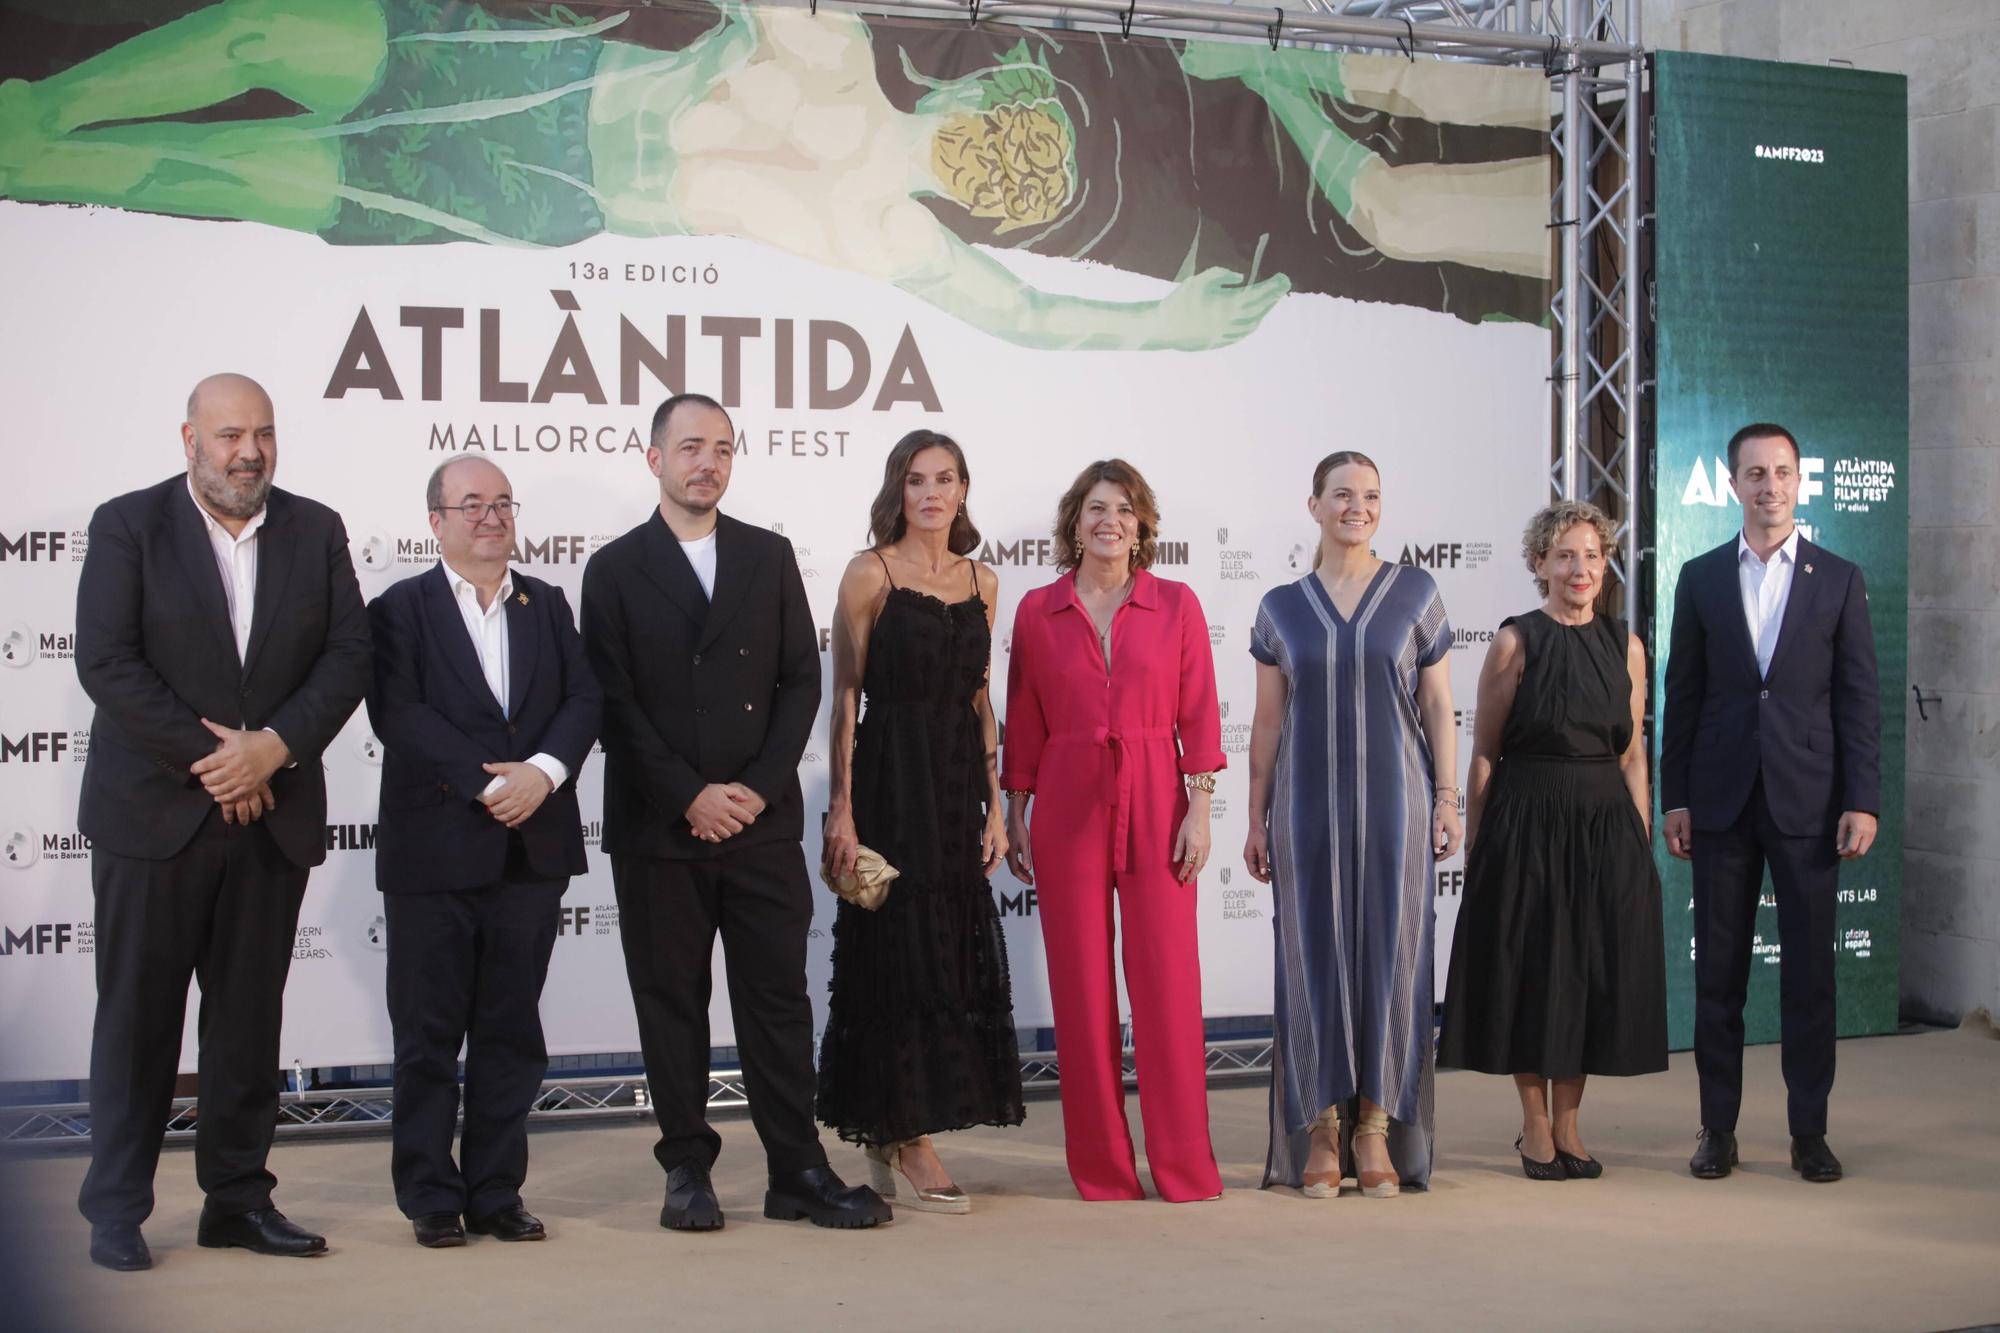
[[231, 499]]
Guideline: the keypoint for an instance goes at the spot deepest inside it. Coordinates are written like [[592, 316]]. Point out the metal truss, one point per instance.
[[319, 1114]]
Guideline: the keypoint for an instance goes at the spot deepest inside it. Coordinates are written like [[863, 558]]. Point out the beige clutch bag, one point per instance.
[[868, 884]]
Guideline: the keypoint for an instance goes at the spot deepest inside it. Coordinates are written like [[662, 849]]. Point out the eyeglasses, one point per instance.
[[475, 511]]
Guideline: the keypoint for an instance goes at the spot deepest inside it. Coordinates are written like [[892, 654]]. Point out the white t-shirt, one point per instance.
[[701, 554]]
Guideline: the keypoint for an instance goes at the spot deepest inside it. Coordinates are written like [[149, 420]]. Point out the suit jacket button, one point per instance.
[[245, 691], [1763, 694], [445, 787], [743, 652], [700, 712], [749, 707], [697, 659]]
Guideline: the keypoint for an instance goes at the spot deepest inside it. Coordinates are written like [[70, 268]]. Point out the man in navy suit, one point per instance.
[[486, 707], [1770, 754]]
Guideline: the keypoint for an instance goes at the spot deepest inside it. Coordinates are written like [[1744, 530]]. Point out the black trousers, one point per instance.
[[223, 911], [467, 968], [1728, 878], [669, 913]]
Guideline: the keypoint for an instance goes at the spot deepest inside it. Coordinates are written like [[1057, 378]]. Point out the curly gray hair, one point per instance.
[[1548, 525]]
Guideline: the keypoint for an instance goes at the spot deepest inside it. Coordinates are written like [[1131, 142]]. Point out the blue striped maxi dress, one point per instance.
[[1351, 863]]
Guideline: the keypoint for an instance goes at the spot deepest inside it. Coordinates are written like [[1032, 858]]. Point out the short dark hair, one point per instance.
[[1760, 430], [1145, 507], [886, 521], [666, 410]]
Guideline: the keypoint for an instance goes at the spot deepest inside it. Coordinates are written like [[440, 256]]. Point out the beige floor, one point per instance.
[[1911, 1240]]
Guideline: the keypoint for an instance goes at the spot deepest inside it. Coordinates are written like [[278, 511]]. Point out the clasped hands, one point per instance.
[[723, 810], [237, 773]]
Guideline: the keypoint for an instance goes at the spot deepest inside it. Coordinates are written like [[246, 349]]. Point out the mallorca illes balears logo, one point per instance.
[[831, 365], [23, 646], [368, 747], [24, 847]]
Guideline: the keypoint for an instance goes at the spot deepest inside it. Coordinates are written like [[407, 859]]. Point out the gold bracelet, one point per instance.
[[1019, 793], [1201, 782]]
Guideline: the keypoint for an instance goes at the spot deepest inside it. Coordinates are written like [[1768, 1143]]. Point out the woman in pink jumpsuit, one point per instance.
[[1112, 731]]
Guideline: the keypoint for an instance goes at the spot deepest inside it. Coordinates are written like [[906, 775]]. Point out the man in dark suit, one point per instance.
[[700, 633], [487, 708], [220, 632], [1770, 754]]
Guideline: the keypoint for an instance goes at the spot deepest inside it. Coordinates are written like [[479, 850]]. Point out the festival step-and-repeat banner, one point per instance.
[[1783, 295], [434, 229]]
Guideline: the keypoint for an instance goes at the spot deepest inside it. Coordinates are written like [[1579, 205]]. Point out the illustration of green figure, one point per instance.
[[505, 124]]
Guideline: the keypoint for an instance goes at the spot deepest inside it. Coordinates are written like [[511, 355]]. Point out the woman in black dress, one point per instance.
[[920, 1020], [1558, 970]]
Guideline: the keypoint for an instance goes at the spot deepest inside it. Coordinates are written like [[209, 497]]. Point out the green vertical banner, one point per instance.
[[1782, 262]]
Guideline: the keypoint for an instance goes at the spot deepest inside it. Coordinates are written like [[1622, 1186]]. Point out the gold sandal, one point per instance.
[[1325, 1184], [1376, 1184], [885, 1164]]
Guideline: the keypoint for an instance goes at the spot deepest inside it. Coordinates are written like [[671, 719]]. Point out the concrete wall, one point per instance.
[[1950, 49]]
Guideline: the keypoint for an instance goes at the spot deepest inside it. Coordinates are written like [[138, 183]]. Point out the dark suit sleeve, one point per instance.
[[1857, 703], [317, 710], [402, 716], [111, 657], [670, 781], [574, 729], [795, 703], [1687, 681]]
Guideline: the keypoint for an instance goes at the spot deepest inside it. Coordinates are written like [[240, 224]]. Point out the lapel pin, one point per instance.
[[1808, 570], [522, 598]]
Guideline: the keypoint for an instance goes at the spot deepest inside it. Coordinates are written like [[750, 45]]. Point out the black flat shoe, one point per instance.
[[1534, 1170], [119, 1247], [438, 1231], [510, 1223], [691, 1204], [262, 1231], [1815, 1161], [822, 1197], [1714, 1154], [1579, 1168]]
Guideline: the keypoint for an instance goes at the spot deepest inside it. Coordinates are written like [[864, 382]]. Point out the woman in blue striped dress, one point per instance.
[[1352, 756]]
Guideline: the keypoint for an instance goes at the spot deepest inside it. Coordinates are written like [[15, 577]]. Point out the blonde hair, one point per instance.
[[1548, 525], [1339, 458], [1011, 163], [1146, 508]]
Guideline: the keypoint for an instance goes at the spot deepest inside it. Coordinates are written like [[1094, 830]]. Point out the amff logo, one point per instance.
[[1708, 482], [39, 747], [1446, 555], [37, 545], [1018, 904], [43, 937]]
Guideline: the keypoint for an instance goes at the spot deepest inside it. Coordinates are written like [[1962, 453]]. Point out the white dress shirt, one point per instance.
[[701, 554], [1766, 586], [488, 630], [236, 559]]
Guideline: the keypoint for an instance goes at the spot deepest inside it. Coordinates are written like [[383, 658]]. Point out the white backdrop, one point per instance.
[[120, 313]]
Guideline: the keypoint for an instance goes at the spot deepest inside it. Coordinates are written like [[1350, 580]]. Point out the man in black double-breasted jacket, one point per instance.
[[220, 632], [1770, 755], [702, 639], [487, 708]]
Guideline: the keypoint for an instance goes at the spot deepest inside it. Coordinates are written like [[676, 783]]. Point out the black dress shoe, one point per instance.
[[120, 1247], [510, 1223], [1714, 1154], [1812, 1159], [1534, 1170], [264, 1230], [691, 1204], [438, 1231], [820, 1195], [1579, 1168]]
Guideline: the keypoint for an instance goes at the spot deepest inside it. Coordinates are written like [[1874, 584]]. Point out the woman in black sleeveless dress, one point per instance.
[[920, 1021], [1558, 969]]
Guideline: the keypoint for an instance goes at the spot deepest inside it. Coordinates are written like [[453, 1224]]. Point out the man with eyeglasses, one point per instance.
[[486, 707]]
